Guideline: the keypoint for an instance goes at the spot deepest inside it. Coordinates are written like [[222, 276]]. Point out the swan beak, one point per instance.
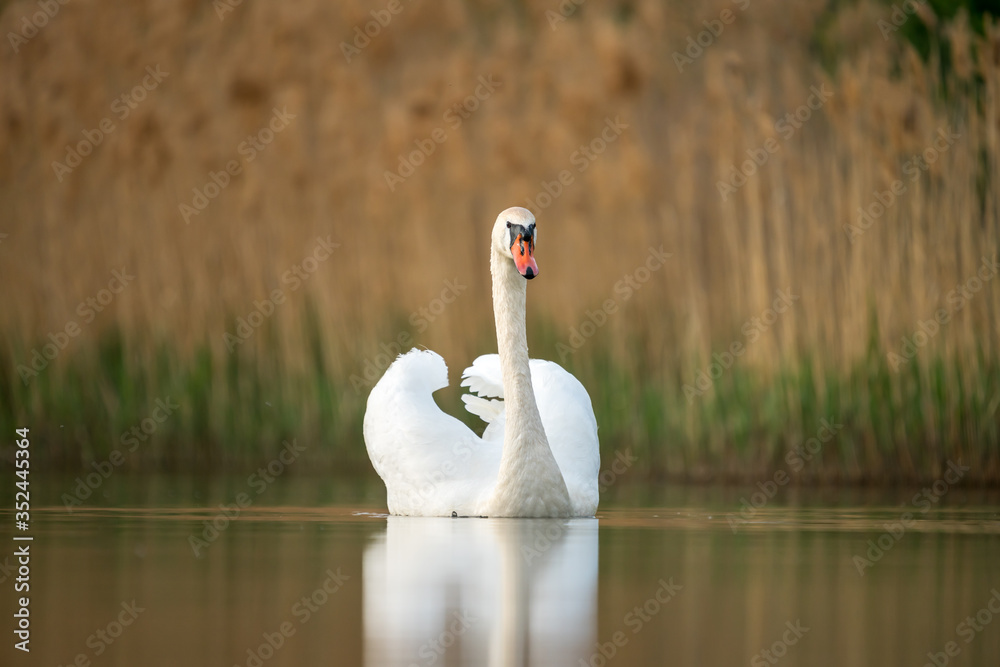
[[523, 251]]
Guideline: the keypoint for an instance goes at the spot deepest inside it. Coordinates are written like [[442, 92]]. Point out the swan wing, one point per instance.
[[483, 377], [432, 464], [571, 428], [567, 417]]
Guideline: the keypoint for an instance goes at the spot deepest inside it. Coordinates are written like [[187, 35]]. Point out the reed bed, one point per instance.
[[757, 209]]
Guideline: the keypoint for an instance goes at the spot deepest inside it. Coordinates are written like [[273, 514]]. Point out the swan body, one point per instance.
[[538, 456]]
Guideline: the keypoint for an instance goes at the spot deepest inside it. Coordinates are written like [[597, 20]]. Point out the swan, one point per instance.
[[539, 455]]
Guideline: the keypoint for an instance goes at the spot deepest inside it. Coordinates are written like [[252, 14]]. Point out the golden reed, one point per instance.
[[268, 171]]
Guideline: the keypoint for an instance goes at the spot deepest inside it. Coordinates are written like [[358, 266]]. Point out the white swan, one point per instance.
[[539, 454]]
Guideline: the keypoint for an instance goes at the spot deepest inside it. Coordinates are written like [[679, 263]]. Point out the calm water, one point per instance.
[[314, 573]]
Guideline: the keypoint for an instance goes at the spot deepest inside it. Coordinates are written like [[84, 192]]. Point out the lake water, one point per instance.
[[312, 572]]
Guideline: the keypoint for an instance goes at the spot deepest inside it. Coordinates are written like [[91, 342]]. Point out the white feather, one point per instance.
[[530, 463]]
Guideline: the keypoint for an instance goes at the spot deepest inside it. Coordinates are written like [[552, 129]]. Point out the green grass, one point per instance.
[[235, 411]]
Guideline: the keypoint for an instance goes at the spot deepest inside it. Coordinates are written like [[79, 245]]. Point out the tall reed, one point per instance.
[[515, 99]]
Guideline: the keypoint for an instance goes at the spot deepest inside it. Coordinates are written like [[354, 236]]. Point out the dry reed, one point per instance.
[[786, 228]]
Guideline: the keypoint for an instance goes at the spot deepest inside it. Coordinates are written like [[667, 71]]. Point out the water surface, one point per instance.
[[153, 572]]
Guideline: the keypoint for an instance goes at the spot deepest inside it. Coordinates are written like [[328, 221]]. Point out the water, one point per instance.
[[313, 572]]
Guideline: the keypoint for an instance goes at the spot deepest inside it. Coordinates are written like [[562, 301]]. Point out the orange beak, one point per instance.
[[523, 251]]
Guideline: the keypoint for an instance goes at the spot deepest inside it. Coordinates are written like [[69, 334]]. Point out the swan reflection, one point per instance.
[[480, 591]]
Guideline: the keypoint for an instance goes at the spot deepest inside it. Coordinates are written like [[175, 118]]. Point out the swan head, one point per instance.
[[514, 236]]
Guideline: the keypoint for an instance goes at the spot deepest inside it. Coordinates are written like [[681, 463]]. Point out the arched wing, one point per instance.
[[432, 464]]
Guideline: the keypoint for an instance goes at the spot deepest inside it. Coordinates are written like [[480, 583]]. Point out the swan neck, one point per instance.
[[509, 297], [529, 482]]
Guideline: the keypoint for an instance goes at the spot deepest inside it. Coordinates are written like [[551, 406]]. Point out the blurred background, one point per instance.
[[760, 223]]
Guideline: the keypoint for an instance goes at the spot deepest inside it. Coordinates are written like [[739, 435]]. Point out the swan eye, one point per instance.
[[508, 224]]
